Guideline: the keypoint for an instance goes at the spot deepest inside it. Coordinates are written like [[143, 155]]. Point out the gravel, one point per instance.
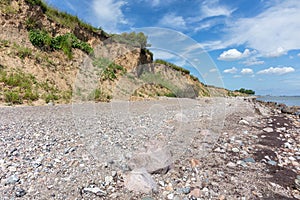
[[85, 151]]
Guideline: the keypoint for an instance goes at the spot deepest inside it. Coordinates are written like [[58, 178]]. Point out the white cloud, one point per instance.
[[277, 70], [212, 8], [109, 14], [298, 54], [265, 31], [234, 54], [213, 70], [233, 70], [237, 76], [253, 61], [173, 21], [247, 71]]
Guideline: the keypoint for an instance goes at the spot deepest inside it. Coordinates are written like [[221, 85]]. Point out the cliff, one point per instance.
[[47, 55]]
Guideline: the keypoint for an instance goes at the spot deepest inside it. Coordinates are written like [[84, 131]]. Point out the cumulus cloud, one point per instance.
[[233, 70], [298, 54], [265, 31], [234, 54], [277, 70], [253, 61], [109, 14], [247, 71], [173, 21]]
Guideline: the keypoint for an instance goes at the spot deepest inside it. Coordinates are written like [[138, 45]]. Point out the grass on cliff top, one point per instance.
[[62, 18]]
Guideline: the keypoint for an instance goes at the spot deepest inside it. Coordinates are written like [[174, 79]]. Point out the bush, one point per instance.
[[64, 42], [12, 97], [133, 39], [109, 69], [245, 91]]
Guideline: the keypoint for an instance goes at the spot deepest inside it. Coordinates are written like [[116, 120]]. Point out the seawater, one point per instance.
[[287, 100]]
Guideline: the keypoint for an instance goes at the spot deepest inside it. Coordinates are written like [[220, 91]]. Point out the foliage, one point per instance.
[[40, 39], [23, 52], [194, 78], [62, 18], [173, 66], [133, 39], [12, 97], [109, 70], [65, 42], [98, 95], [246, 91]]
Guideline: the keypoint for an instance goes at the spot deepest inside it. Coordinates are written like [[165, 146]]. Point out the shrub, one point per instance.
[[245, 91], [109, 69], [64, 42], [12, 97], [133, 39], [40, 39]]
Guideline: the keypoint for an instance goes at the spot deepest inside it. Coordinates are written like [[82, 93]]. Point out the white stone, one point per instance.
[[243, 122], [268, 130]]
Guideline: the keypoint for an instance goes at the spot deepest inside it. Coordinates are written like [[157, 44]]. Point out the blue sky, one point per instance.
[[253, 44]]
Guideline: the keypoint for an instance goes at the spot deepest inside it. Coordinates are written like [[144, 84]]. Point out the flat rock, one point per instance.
[[139, 180], [244, 122], [268, 130], [155, 159]]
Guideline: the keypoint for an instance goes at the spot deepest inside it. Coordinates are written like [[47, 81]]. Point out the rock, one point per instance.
[[272, 162], [20, 192], [231, 165], [243, 122], [268, 130], [170, 196], [242, 163], [95, 190], [287, 145], [140, 180], [196, 193], [156, 159], [108, 179], [235, 150], [12, 179], [194, 162], [186, 190], [250, 160]]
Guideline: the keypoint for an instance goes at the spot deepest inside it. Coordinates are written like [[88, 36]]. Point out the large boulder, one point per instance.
[[139, 180], [155, 158]]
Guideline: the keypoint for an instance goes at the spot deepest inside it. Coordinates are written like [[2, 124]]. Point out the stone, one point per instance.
[[95, 190], [170, 196], [139, 180], [250, 160], [180, 117], [272, 162], [196, 193], [231, 165], [156, 159], [243, 122], [268, 130], [12, 179], [108, 179], [20, 192], [186, 190], [287, 145], [235, 150]]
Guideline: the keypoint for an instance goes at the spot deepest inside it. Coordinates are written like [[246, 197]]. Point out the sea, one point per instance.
[[287, 100]]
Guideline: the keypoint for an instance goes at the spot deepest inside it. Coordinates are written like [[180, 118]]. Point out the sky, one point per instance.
[[253, 44]]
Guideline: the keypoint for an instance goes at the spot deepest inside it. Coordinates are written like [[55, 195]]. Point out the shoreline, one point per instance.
[[222, 148]]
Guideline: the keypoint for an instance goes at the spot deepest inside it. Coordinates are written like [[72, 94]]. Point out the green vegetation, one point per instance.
[[133, 39], [65, 42], [22, 52], [109, 70], [62, 18], [173, 66], [160, 80], [245, 91], [98, 95], [17, 87]]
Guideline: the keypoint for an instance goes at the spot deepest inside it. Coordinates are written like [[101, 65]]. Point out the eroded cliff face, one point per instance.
[[53, 67]]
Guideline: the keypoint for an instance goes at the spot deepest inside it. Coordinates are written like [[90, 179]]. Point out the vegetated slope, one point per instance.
[[47, 55]]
